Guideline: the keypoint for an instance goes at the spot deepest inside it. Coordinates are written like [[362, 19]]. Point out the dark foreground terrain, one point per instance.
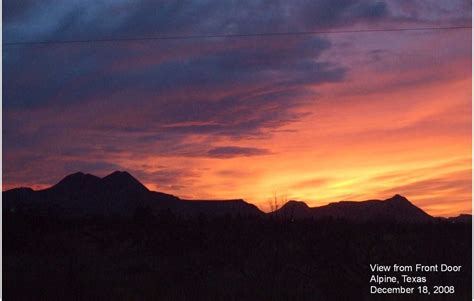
[[166, 258]]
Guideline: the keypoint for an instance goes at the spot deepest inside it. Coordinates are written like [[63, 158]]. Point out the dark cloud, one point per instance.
[[86, 19], [322, 14], [226, 152], [106, 101], [156, 107]]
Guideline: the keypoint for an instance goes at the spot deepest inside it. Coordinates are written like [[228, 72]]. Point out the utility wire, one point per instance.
[[210, 36]]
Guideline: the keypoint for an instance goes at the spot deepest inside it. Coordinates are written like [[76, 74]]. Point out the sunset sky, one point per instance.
[[319, 118]]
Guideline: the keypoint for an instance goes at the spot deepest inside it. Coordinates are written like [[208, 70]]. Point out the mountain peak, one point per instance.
[[75, 176], [293, 209], [77, 180], [119, 174], [293, 203], [398, 198], [123, 180]]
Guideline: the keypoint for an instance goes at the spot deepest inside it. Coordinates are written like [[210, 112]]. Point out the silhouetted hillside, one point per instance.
[[219, 208], [395, 209], [294, 210], [462, 218], [118, 194]]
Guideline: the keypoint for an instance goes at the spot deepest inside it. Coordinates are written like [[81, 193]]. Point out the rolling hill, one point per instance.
[[119, 194]]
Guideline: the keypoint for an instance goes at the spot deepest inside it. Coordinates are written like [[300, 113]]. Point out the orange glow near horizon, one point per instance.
[[360, 152]]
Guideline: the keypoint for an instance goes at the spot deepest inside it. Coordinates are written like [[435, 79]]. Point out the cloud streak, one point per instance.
[[226, 152]]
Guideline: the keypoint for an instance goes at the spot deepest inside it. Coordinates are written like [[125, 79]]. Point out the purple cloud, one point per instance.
[[227, 152]]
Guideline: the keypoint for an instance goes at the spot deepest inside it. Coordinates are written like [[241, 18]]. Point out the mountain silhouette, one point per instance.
[[294, 209], [394, 209], [117, 194], [461, 218], [120, 194], [122, 181], [237, 207], [76, 182]]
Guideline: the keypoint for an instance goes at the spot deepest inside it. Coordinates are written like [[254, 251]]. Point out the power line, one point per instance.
[[268, 34]]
